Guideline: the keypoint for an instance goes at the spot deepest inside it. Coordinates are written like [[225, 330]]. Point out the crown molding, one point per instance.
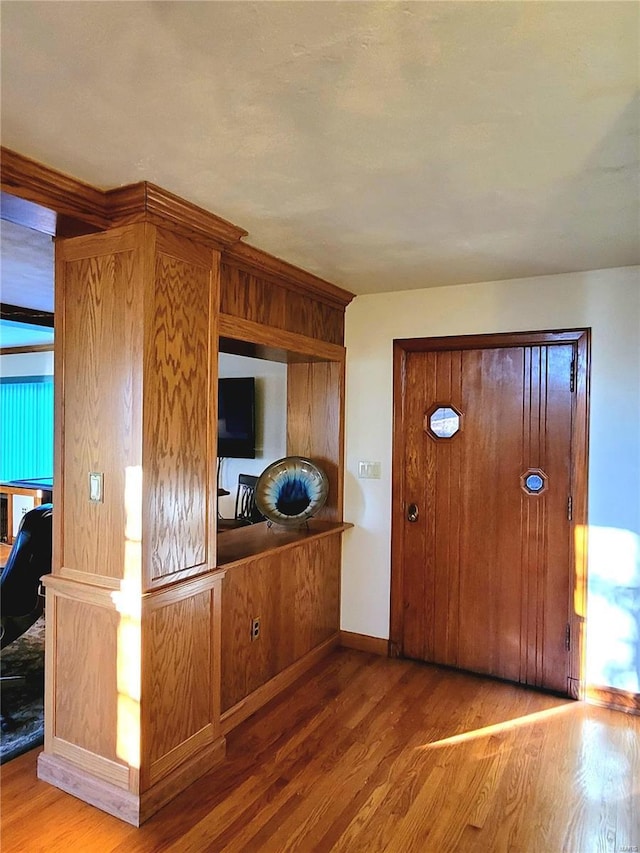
[[252, 260], [148, 202], [34, 182]]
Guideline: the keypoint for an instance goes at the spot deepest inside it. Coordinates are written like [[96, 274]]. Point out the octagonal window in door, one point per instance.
[[534, 481], [443, 422]]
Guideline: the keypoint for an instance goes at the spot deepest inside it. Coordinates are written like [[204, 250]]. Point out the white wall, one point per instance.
[[608, 301], [271, 421], [27, 364]]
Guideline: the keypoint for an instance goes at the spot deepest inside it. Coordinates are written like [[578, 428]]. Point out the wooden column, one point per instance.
[[133, 603]]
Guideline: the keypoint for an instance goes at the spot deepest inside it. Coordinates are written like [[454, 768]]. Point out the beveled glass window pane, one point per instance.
[[444, 422]]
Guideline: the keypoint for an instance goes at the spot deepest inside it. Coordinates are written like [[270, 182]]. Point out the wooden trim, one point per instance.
[[396, 620], [364, 643], [253, 260], [613, 698], [50, 670], [99, 589], [170, 786], [194, 573], [581, 339], [180, 753], [27, 350], [278, 339], [89, 578], [90, 246], [489, 341], [103, 795], [32, 316], [120, 803], [51, 189], [157, 599], [97, 596], [579, 491], [246, 544], [100, 767], [268, 691], [148, 202], [58, 409]]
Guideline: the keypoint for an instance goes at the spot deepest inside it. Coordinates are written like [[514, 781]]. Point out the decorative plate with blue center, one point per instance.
[[291, 490]]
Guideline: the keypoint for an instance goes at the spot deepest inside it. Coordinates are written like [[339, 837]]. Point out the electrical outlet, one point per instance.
[[255, 629]]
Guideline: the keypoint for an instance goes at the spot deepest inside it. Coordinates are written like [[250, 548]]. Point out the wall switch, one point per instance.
[[369, 470], [96, 481]]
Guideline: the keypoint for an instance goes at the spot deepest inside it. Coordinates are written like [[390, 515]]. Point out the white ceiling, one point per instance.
[[381, 145], [26, 271]]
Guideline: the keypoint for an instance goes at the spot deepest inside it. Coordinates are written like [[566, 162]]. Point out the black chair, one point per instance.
[[246, 511], [21, 600]]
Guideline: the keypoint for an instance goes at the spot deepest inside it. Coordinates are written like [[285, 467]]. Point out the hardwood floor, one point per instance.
[[372, 754]]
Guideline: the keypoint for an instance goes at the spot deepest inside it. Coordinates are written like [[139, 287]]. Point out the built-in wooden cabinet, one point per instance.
[[134, 580], [149, 656]]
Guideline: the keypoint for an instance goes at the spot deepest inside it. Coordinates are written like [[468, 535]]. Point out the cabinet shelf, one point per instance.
[[243, 544]]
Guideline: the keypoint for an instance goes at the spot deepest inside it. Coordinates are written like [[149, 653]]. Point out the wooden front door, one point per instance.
[[485, 481]]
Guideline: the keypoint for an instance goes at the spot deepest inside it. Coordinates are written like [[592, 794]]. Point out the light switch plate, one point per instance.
[[96, 481], [369, 470]]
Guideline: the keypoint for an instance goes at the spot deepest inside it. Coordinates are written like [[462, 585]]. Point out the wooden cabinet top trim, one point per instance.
[[258, 262], [137, 201], [274, 344], [34, 182], [245, 544]]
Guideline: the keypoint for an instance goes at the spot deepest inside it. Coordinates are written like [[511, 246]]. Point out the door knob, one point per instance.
[[412, 512]]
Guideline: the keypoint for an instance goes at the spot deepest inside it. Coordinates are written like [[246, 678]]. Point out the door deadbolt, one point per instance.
[[412, 512]]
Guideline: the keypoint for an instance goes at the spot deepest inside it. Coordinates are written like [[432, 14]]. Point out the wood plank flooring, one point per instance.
[[371, 754]]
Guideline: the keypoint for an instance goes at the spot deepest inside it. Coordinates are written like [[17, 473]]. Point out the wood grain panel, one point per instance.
[[297, 602], [86, 685], [316, 604], [179, 409], [446, 474], [99, 392], [300, 315], [490, 593], [260, 263], [273, 302], [178, 663], [315, 424]]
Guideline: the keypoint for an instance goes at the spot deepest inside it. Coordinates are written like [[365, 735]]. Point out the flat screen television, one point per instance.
[[236, 418]]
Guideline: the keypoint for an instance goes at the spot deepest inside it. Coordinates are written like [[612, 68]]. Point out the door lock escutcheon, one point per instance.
[[412, 512]]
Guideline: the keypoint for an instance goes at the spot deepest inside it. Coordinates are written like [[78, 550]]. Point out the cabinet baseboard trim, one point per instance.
[[613, 698], [364, 643], [268, 691], [131, 808]]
